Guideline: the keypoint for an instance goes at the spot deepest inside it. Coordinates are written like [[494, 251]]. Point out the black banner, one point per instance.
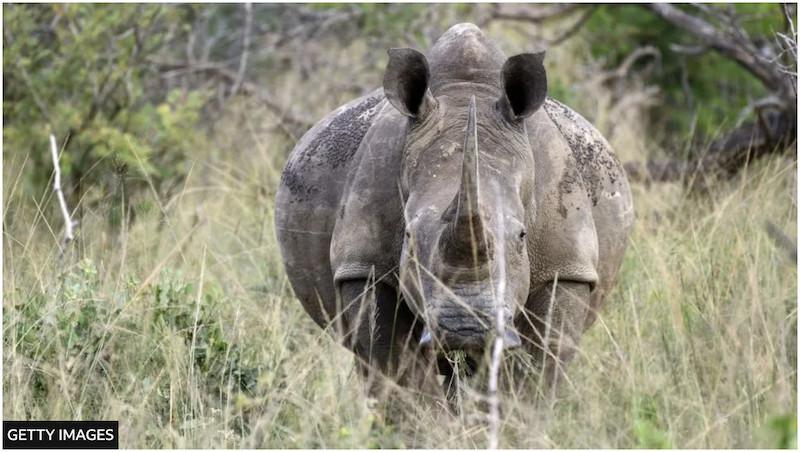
[[60, 434]]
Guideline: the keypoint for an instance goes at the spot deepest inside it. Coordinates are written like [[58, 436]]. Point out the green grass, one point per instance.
[[183, 326]]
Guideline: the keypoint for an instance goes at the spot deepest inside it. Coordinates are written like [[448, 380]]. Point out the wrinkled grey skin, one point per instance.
[[408, 217]]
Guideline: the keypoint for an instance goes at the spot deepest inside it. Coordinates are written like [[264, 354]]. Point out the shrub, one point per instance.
[[82, 72]]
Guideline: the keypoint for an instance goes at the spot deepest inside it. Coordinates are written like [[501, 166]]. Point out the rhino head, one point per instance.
[[467, 184]]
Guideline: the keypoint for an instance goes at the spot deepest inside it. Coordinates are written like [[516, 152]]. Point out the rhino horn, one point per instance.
[[467, 227]]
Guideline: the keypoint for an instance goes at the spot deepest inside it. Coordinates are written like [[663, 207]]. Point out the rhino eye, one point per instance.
[[522, 234]]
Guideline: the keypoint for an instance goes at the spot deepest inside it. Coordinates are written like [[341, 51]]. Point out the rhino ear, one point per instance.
[[405, 82], [524, 85]]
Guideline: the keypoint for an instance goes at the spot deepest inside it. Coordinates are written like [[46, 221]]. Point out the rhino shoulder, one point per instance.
[[596, 162], [367, 237], [329, 146], [563, 244]]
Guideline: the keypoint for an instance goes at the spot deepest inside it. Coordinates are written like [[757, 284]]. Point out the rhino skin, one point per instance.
[[398, 213]]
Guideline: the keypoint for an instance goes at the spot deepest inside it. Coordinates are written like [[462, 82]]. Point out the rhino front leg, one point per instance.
[[384, 335], [553, 323]]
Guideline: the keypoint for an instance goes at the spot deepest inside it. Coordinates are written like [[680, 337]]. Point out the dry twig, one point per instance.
[[497, 351], [69, 223]]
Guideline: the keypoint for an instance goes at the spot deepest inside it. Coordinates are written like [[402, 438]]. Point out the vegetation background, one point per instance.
[[170, 310]]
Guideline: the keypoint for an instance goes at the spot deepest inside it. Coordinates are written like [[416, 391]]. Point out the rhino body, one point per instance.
[[371, 196]]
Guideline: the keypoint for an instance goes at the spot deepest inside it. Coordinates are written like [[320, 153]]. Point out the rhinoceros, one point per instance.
[[416, 219]]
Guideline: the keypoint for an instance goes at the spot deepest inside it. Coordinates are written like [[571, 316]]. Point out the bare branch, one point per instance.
[[624, 68], [730, 43], [535, 15], [69, 224], [788, 17], [689, 50], [773, 128], [248, 25], [569, 32], [771, 101]]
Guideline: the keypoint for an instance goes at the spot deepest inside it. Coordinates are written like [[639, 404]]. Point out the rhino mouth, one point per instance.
[[465, 345], [447, 337]]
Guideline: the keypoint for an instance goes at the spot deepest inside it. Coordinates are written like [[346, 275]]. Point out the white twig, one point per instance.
[[69, 224], [497, 351]]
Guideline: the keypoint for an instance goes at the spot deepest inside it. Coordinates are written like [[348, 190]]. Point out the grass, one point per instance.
[[184, 328]]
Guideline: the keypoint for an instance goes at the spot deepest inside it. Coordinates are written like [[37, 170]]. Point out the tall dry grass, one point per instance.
[[184, 328]]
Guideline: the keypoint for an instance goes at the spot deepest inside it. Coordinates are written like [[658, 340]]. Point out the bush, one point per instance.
[[82, 72]]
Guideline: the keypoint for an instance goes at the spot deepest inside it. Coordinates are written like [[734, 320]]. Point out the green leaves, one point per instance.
[[646, 425], [81, 71], [782, 431]]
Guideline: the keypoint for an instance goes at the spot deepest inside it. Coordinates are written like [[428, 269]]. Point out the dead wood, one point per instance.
[[774, 127], [772, 132]]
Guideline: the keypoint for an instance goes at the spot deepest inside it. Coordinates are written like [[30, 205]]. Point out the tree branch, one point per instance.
[[624, 68], [566, 34], [535, 15], [774, 127], [248, 25], [729, 44]]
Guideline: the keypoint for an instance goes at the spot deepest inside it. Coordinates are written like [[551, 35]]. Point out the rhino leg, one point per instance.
[[384, 335], [553, 322]]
